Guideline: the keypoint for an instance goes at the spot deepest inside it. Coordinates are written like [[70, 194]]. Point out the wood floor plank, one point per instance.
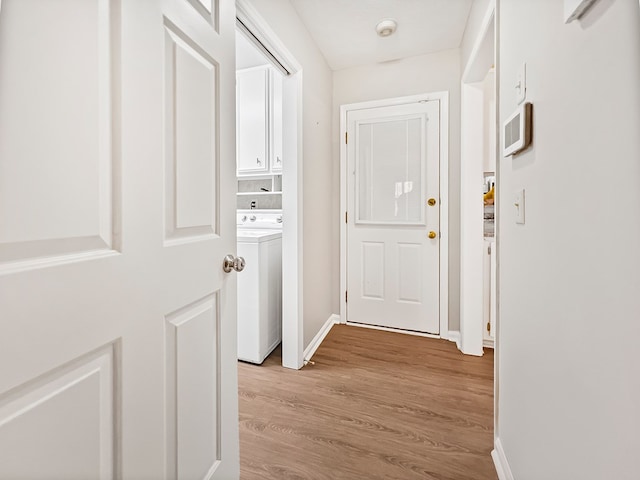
[[376, 405]]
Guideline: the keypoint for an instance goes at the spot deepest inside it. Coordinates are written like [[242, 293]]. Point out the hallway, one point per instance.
[[376, 405]]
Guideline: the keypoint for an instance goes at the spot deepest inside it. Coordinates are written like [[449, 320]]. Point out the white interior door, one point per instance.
[[117, 174], [393, 172]]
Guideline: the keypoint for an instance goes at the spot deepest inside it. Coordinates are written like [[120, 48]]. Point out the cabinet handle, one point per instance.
[[278, 160], [258, 161]]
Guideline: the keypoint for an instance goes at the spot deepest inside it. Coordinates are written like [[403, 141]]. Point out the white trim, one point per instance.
[[443, 98], [444, 214], [471, 229], [394, 330], [292, 229], [390, 102], [497, 252], [342, 213], [488, 343], [320, 336], [500, 461], [263, 32], [489, 15], [454, 336], [292, 183]]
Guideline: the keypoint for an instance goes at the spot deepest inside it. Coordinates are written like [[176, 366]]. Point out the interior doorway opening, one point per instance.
[[287, 174], [478, 250]]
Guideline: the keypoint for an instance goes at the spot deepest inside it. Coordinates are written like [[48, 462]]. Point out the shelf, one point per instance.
[[257, 176], [259, 193]]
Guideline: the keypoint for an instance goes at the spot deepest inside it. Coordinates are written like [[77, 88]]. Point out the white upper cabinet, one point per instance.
[[276, 121], [259, 117], [252, 120]]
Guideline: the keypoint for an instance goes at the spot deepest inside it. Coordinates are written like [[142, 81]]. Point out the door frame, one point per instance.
[[443, 98], [292, 182], [471, 176]]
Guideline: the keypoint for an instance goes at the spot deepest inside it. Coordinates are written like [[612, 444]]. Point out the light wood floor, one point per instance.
[[376, 405]]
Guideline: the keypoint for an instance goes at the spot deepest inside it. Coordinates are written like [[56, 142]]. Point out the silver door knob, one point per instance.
[[233, 263]]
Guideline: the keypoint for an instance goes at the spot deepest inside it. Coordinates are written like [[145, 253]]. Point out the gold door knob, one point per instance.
[[431, 202], [432, 234]]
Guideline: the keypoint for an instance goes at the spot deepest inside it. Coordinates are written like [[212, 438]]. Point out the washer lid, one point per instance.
[[258, 235]]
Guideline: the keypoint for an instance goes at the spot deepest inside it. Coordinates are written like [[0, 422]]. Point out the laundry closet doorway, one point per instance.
[[394, 261], [258, 32]]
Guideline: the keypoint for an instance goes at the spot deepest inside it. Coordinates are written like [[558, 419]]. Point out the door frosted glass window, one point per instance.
[[390, 171]]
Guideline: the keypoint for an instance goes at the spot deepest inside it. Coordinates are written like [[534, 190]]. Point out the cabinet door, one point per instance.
[[252, 115], [276, 121]]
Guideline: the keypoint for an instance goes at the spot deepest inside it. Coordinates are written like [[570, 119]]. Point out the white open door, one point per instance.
[[394, 221], [117, 182]]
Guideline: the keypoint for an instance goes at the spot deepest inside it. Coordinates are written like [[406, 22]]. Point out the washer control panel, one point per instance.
[[252, 219]]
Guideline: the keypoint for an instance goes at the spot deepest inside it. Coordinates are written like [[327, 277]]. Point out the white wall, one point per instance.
[[569, 327], [489, 122], [319, 291], [409, 76], [472, 30]]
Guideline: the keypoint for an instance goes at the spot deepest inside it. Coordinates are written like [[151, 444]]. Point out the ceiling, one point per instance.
[[345, 30]]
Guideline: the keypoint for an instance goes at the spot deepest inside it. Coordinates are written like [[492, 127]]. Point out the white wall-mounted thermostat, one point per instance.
[[517, 130]]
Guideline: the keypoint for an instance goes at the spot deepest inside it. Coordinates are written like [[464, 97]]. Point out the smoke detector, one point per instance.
[[386, 27]]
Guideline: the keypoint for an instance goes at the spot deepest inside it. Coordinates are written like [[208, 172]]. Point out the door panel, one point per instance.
[[193, 390], [390, 168], [208, 9], [64, 422], [116, 160], [392, 265], [373, 270], [190, 109], [63, 151], [410, 285]]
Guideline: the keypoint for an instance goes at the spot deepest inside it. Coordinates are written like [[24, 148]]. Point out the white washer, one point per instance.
[[260, 284]]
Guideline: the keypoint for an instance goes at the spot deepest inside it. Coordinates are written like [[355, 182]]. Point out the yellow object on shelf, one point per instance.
[[489, 196]]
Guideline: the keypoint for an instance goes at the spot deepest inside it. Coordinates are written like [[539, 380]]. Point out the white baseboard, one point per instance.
[[317, 340], [454, 336], [488, 343], [500, 461]]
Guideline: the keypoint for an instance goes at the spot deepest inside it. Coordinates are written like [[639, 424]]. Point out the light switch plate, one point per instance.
[[521, 84], [518, 203]]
